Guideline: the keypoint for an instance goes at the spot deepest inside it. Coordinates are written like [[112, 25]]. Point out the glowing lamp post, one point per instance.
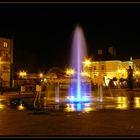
[[23, 74], [70, 72], [87, 64], [41, 76]]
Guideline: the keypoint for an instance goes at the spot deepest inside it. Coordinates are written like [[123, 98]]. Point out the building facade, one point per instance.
[[108, 69], [6, 61]]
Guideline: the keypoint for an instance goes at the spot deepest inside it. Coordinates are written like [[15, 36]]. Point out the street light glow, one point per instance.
[[41, 75], [22, 74], [70, 71], [87, 62]]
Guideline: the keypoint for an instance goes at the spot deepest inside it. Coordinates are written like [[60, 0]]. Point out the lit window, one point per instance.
[[5, 44]]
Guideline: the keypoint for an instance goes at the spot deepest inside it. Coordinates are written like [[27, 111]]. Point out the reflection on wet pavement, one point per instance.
[[115, 103]]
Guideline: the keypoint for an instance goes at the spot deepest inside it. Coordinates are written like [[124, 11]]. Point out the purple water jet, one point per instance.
[[79, 88]]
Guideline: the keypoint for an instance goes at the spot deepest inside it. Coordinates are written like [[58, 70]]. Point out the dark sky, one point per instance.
[[42, 32]]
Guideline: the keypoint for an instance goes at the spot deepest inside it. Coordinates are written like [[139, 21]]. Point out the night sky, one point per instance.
[[42, 32]]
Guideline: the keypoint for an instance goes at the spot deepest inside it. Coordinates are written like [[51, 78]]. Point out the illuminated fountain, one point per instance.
[[79, 89], [80, 95]]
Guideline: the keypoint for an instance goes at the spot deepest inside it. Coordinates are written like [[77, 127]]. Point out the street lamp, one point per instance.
[[87, 64], [41, 75], [70, 72], [22, 74]]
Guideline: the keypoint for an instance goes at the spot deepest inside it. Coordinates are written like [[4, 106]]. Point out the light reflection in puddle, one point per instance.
[[20, 107], [121, 99], [2, 106], [122, 103], [118, 103], [123, 106], [111, 106], [84, 107], [137, 102]]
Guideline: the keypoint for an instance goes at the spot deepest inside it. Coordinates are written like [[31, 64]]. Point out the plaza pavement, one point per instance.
[[99, 123]]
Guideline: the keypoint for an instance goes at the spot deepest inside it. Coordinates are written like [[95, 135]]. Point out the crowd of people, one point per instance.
[[130, 82]]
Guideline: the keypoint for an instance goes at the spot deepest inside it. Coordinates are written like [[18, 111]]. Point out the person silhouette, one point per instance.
[[130, 78], [37, 101]]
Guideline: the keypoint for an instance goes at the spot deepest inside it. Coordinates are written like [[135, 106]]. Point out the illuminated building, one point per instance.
[[108, 65], [109, 68], [6, 61]]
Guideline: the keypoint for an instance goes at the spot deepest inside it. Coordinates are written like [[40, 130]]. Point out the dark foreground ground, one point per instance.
[[57, 123], [105, 123]]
